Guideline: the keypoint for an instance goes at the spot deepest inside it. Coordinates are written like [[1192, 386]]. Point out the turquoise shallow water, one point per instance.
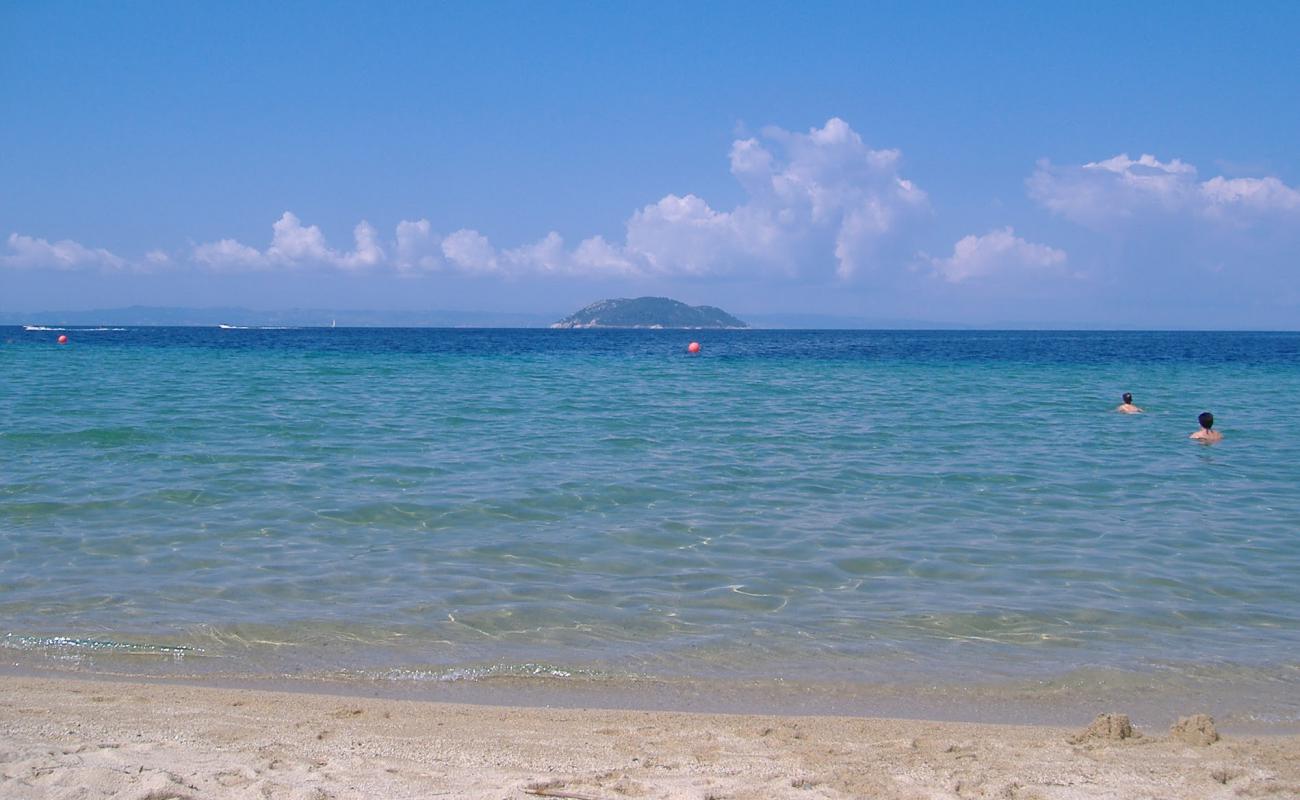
[[833, 507]]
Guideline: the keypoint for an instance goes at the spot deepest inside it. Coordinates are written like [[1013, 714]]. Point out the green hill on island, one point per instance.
[[648, 312]]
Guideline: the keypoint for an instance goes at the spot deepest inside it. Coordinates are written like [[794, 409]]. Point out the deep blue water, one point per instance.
[[948, 507]]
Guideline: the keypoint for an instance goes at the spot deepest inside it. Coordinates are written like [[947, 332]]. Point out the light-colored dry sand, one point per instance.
[[63, 738]]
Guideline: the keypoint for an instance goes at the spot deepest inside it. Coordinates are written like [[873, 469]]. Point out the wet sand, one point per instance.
[[71, 738]]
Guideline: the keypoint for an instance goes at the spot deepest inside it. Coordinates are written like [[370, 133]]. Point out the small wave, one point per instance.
[[484, 672], [92, 645], [73, 330], [76, 649], [233, 327]]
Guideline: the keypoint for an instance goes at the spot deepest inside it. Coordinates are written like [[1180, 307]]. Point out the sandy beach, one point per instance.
[[71, 738]]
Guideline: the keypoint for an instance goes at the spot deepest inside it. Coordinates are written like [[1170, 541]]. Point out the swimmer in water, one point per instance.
[[1127, 406], [1207, 433]]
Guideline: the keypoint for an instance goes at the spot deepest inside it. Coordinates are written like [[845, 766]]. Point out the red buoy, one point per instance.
[[693, 348], [63, 339]]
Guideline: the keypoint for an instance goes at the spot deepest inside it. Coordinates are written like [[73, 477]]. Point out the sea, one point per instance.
[[949, 524]]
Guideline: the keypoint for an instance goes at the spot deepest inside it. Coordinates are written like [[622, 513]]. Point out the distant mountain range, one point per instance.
[[353, 318], [296, 317], [648, 312]]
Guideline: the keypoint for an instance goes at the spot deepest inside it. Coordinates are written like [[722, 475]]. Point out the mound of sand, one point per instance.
[[1197, 729], [1107, 727]]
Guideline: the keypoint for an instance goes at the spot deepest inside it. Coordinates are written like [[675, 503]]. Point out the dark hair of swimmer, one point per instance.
[[1206, 419], [1128, 397]]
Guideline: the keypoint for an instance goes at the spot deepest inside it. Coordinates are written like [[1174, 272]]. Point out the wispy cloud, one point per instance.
[[157, 258]]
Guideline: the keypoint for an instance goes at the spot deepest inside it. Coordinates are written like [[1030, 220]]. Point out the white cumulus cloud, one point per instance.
[[27, 252], [470, 251], [368, 253], [1102, 193], [546, 256], [293, 245], [228, 253], [596, 256], [816, 201], [417, 247], [817, 198], [1258, 195], [996, 252], [683, 235]]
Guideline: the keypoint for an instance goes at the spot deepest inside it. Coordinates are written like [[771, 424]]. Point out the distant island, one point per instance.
[[648, 312]]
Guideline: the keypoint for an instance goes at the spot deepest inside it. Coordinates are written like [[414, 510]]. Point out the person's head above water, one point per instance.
[[1206, 419], [1127, 407]]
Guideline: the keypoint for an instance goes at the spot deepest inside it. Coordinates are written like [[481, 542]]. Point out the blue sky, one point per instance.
[[955, 162]]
